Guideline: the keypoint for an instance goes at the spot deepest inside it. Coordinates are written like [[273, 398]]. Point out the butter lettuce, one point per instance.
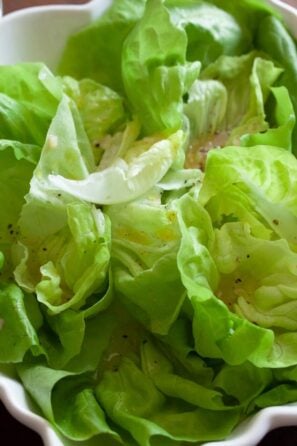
[[211, 31], [100, 58], [262, 195], [254, 254], [62, 229], [234, 91], [155, 72], [213, 395], [143, 411], [282, 123], [148, 221], [146, 238], [80, 420], [17, 162], [101, 109], [29, 97], [20, 318], [273, 38], [130, 175]]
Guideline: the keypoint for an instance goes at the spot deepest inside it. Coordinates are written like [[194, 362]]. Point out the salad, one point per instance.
[[148, 223]]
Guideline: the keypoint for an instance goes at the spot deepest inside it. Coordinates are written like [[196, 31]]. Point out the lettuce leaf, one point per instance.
[[273, 38], [143, 410], [54, 228], [53, 390], [154, 68], [249, 14], [145, 238], [255, 270], [20, 319], [258, 286], [282, 122], [258, 187], [101, 109], [29, 97], [100, 58], [224, 392], [227, 106], [154, 303], [210, 30], [132, 173], [17, 162]]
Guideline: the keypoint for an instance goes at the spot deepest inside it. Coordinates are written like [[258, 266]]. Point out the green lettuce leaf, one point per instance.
[[210, 30], [243, 384], [263, 76], [101, 109], [257, 283], [227, 106], [54, 228], [225, 391], [282, 122], [154, 68], [100, 58], [179, 342], [255, 270], [154, 303], [283, 391], [67, 149], [61, 337], [248, 15], [213, 325], [29, 96], [28, 152], [275, 40], [96, 340], [247, 79], [71, 339], [281, 394], [16, 168], [174, 385], [258, 187], [19, 320], [145, 241], [144, 412], [132, 172], [67, 400], [195, 264], [206, 106]]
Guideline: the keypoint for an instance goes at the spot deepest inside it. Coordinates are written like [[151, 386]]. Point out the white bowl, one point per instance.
[[53, 25]]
